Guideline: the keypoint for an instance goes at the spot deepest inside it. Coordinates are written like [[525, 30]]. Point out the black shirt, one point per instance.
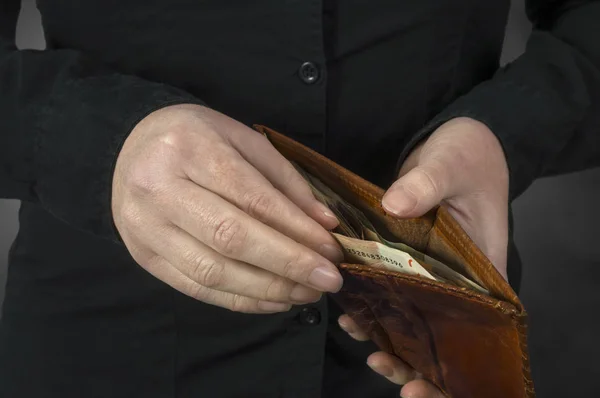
[[360, 81]]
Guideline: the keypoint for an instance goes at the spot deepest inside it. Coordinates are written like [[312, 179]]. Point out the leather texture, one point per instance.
[[469, 344]]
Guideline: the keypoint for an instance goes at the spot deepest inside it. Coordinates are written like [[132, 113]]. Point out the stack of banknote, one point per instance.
[[363, 244]]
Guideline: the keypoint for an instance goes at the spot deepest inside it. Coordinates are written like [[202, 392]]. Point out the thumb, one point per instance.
[[418, 191]]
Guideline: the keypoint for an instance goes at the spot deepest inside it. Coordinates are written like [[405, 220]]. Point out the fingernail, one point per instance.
[[325, 279], [303, 294], [332, 253], [399, 200], [326, 211], [271, 306], [383, 370]]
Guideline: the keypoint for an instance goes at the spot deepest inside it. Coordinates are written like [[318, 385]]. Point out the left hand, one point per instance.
[[461, 166]]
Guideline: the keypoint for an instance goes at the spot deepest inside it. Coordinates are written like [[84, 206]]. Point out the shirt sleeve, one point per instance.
[[545, 106], [63, 119]]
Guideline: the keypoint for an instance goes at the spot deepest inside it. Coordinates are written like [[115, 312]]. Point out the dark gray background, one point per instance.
[[555, 229]]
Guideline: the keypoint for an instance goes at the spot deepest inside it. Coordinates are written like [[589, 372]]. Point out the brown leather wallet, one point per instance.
[[469, 344]]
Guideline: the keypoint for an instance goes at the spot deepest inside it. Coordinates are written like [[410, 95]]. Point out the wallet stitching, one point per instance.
[[461, 292], [525, 362]]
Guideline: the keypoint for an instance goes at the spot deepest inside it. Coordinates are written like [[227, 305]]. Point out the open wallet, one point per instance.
[[455, 319]]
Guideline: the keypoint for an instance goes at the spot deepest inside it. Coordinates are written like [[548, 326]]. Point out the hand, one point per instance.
[[461, 166], [208, 206]]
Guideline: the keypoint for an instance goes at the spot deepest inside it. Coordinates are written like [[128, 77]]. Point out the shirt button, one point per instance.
[[309, 72], [310, 316]]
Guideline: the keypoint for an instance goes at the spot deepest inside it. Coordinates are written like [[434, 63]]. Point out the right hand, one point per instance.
[[208, 206]]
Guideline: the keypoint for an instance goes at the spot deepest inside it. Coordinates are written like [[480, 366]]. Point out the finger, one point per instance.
[[164, 271], [210, 269], [225, 172], [350, 327], [418, 191], [234, 234], [259, 152], [391, 368], [420, 388]]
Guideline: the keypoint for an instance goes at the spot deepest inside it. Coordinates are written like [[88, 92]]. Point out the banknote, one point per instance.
[[379, 255]]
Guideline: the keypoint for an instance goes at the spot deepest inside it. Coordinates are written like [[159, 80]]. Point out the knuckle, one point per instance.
[[197, 291], [154, 260], [205, 271], [277, 289], [238, 303], [260, 204], [179, 145], [176, 139], [430, 181], [229, 236], [292, 267]]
